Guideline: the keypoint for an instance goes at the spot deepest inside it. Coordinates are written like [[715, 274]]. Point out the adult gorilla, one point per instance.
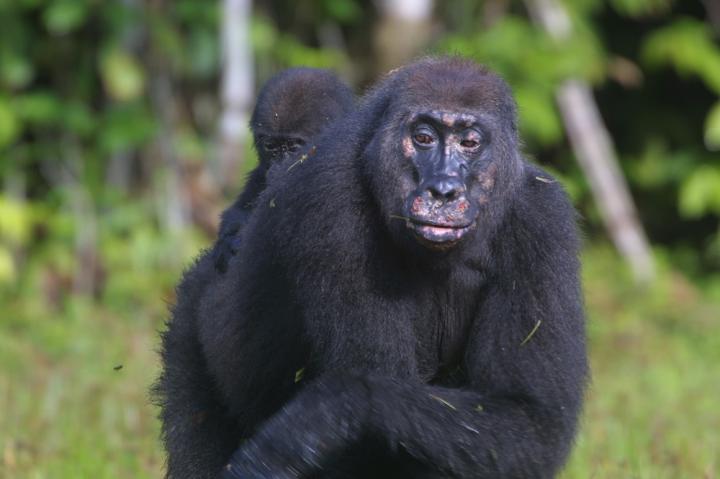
[[420, 276]]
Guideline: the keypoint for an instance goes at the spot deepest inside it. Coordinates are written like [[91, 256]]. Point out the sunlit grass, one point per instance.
[[653, 408], [68, 411]]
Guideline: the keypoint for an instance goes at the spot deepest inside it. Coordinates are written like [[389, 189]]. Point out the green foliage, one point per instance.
[[15, 222], [286, 51], [344, 11], [124, 127], [9, 126], [712, 128], [658, 167], [639, 8], [700, 193], [688, 46], [64, 16], [122, 75]]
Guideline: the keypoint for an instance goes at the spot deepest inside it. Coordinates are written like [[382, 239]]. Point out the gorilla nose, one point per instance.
[[445, 188]]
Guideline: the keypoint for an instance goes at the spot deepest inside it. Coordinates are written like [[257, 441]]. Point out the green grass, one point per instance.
[[66, 411], [653, 408]]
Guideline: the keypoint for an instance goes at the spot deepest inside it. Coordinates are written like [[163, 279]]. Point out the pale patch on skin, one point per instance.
[[425, 206], [451, 143], [417, 205], [487, 177], [453, 120], [407, 147]]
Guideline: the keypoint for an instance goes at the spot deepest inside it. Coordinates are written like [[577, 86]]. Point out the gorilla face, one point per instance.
[[449, 177], [273, 148], [442, 158]]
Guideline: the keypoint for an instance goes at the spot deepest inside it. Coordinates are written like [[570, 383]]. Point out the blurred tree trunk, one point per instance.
[[493, 11], [119, 168], [237, 89], [15, 189], [65, 174], [405, 27], [174, 201], [593, 148]]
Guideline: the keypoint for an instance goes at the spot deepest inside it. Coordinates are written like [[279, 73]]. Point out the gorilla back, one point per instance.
[[406, 302]]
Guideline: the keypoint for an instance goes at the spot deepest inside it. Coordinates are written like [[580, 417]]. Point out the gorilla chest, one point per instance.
[[442, 326]]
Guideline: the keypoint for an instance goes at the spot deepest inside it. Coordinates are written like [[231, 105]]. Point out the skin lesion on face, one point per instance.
[[451, 141], [441, 205], [486, 178], [454, 119], [408, 148]]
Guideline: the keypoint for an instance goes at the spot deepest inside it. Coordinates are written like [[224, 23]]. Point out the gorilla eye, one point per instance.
[[423, 138], [271, 145], [470, 144], [294, 144]]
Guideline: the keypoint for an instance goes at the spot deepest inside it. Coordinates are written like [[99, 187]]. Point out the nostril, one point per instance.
[[452, 195], [444, 195], [446, 189]]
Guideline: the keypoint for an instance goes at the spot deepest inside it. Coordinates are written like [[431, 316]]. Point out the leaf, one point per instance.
[[688, 46], [538, 117], [122, 75], [64, 16], [700, 193], [640, 8], [14, 221], [344, 11], [79, 119], [712, 128], [124, 127], [38, 107], [15, 71], [9, 124]]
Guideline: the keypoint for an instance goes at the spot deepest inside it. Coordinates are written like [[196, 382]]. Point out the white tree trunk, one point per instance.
[[237, 88], [594, 150], [404, 29]]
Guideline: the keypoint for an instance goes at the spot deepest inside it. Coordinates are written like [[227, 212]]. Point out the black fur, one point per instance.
[[344, 343], [293, 107]]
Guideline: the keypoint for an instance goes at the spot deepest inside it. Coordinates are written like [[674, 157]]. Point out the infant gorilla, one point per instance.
[[293, 107]]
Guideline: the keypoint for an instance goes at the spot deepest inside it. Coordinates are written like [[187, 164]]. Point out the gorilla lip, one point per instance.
[[439, 233]]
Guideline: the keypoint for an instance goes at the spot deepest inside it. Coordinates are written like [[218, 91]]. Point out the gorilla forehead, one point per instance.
[[454, 84]]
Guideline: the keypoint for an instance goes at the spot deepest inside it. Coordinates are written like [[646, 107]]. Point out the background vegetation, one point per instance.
[[109, 185]]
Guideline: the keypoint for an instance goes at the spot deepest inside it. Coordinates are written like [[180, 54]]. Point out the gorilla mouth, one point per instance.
[[439, 234]]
